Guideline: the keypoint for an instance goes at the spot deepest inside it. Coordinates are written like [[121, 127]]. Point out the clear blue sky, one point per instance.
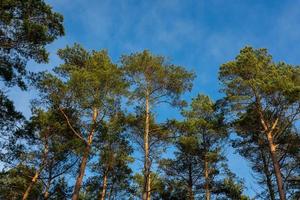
[[198, 34]]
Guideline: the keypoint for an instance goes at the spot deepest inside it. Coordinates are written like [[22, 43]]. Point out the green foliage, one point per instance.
[[263, 97], [44, 144], [84, 94], [60, 191], [150, 73], [8, 115], [26, 27], [14, 182], [160, 133], [86, 80], [157, 185], [85, 89], [114, 153], [200, 139], [44, 136], [232, 190], [254, 77]]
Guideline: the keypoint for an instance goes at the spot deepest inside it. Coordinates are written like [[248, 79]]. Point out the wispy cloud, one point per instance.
[[200, 35]]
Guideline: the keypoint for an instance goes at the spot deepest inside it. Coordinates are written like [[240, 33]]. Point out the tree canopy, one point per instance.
[[97, 128]]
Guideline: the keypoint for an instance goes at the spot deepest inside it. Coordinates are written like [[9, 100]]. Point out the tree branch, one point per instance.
[[71, 127]]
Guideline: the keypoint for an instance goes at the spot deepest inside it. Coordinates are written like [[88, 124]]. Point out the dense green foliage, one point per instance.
[[26, 27], [94, 131], [263, 99]]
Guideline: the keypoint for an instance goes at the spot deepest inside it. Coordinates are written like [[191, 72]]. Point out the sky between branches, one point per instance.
[[197, 34]]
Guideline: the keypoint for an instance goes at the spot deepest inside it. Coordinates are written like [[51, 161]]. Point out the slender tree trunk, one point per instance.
[[104, 186], [190, 183], [46, 193], [33, 181], [80, 176], [37, 173], [206, 174], [272, 148], [276, 165], [75, 195], [147, 187], [110, 191], [267, 174], [191, 194]]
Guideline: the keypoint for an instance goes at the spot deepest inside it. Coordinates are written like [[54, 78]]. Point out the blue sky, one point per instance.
[[197, 34]]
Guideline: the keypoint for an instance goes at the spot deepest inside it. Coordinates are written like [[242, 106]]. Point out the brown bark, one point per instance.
[[191, 194], [272, 148], [80, 176], [206, 174], [110, 191], [267, 174], [276, 165], [46, 193], [147, 187], [88, 143], [33, 181], [37, 173], [104, 186]]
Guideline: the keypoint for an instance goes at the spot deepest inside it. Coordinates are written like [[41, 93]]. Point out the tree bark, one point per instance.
[[206, 174], [46, 193], [272, 148], [75, 195], [276, 166], [33, 181], [147, 187], [110, 191], [80, 176], [104, 186], [267, 174], [37, 173]]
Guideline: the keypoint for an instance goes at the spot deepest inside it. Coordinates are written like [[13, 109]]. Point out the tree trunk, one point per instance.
[[104, 186], [267, 174], [147, 187], [46, 194], [37, 173], [33, 181], [272, 148], [191, 194], [75, 195], [79, 179], [110, 191], [206, 174]]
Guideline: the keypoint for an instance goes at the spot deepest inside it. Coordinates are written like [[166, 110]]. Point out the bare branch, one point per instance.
[[71, 127]]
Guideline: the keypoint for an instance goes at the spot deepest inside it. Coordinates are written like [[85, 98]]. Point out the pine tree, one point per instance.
[[253, 79], [199, 161], [153, 81], [114, 157], [84, 88]]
